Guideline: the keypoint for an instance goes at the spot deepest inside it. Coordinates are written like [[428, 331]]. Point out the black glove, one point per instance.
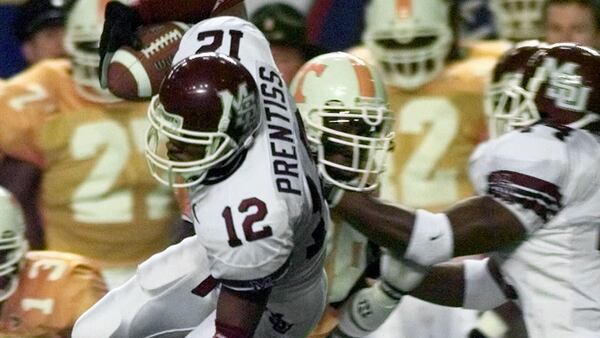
[[120, 25]]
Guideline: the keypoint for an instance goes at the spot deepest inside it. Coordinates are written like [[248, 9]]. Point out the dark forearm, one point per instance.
[[386, 225], [481, 225], [241, 310], [443, 285]]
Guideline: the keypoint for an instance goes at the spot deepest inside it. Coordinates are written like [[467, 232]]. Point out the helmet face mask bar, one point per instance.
[[509, 106], [507, 103]]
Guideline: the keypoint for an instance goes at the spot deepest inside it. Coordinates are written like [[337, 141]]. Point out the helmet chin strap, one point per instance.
[[584, 121]]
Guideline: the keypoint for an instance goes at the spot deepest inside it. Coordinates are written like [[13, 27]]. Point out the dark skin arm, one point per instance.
[[479, 224], [443, 285], [241, 309]]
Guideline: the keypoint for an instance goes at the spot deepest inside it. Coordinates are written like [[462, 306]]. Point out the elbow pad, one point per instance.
[[431, 240]]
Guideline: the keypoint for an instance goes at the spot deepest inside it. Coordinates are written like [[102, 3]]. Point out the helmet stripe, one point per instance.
[[366, 84], [404, 8]]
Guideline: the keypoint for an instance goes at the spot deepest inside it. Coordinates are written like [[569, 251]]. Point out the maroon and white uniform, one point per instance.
[[547, 175], [263, 226]]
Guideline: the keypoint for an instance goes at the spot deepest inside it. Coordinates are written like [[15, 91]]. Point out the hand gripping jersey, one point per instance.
[[437, 128], [54, 289], [98, 197], [547, 175]]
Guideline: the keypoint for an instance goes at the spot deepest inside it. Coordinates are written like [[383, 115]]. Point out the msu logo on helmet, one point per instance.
[[238, 104], [565, 81]]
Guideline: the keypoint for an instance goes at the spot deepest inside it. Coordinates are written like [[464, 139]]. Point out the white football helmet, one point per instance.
[[82, 38], [518, 19], [348, 123], [409, 39], [13, 245]]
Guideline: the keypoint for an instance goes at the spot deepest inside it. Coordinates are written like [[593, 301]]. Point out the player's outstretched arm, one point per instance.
[[469, 284], [476, 225], [239, 312]]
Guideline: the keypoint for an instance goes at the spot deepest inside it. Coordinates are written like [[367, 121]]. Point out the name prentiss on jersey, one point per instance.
[[280, 131]]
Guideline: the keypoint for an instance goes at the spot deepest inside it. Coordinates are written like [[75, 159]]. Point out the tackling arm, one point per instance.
[[476, 225], [468, 284]]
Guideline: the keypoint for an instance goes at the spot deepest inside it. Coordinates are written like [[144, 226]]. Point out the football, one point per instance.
[[137, 74]]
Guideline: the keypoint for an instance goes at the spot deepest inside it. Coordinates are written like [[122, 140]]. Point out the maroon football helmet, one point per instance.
[[566, 79], [205, 113], [504, 94], [560, 84]]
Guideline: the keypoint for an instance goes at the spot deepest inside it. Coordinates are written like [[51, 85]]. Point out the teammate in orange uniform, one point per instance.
[[43, 292], [98, 197], [436, 97]]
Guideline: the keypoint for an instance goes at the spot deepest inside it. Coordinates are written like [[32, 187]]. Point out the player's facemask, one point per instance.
[[351, 145], [181, 158]]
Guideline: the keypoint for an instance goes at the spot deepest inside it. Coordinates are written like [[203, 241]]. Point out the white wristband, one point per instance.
[[431, 240], [481, 289]]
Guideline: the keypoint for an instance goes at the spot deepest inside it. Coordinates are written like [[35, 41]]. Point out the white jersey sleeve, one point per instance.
[[525, 171]]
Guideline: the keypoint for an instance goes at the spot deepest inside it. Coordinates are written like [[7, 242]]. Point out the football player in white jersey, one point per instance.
[[536, 211], [225, 133]]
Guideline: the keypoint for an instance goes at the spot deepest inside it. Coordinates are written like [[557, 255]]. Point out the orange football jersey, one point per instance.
[[54, 289], [98, 196], [437, 127]]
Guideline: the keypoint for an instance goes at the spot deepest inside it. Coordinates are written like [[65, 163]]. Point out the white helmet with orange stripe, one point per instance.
[[344, 106], [410, 39]]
